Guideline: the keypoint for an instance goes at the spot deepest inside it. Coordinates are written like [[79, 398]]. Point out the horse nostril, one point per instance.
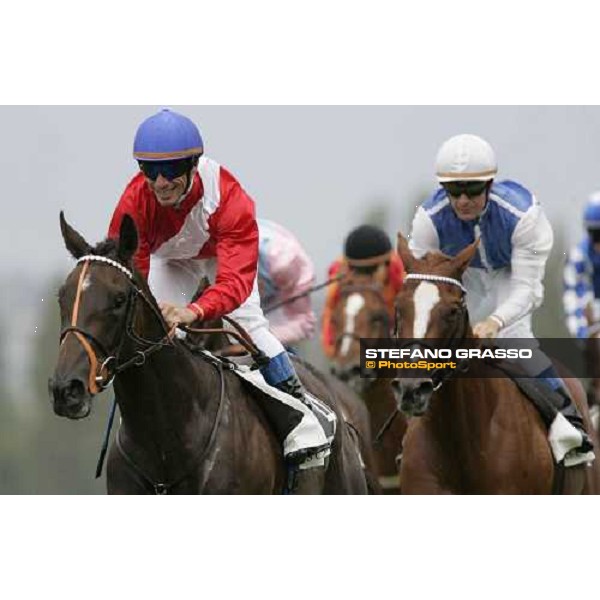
[[425, 389], [68, 392], [75, 390]]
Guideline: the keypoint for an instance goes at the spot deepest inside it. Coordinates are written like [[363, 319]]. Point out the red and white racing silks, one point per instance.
[[215, 220]]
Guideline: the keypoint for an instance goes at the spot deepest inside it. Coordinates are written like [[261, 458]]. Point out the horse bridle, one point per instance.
[[102, 373], [439, 376], [359, 288]]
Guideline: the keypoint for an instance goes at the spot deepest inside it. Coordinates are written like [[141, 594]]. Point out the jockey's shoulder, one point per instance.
[[137, 183], [507, 194], [335, 268], [513, 193]]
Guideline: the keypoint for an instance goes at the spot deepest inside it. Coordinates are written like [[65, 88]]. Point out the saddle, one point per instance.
[[247, 368]]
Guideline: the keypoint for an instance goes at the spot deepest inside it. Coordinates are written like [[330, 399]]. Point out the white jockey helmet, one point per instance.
[[466, 158]]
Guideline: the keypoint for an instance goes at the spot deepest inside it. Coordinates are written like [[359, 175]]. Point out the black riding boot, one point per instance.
[[303, 482]]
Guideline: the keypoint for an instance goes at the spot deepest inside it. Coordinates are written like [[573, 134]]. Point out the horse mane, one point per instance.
[[107, 248], [436, 262]]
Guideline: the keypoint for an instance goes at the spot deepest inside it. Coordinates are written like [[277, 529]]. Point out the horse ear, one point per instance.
[[462, 260], [128, 239], [405, 253], [74, 242]]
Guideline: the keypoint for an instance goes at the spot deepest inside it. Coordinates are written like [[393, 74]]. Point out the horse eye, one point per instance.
[[119, 300]]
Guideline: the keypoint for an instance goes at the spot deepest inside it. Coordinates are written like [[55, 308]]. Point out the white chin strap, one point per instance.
[[186, 192]]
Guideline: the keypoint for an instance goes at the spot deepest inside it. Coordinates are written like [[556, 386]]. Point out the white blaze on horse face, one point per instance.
[[427, 295], [85, 284], [354, 305]]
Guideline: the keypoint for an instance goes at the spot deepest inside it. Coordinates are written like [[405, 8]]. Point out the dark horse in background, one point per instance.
[[592, 357], [362, 313], [479, 434], [189, 426]]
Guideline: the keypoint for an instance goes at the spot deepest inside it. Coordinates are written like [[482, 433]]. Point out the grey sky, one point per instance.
[[313, 169]]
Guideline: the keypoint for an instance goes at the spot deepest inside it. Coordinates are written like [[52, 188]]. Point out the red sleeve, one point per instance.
[[396, 272], [334, 268], [328, 333], [234, 228], [131, 203]]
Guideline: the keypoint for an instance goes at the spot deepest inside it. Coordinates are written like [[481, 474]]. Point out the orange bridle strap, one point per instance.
[[93, 360]]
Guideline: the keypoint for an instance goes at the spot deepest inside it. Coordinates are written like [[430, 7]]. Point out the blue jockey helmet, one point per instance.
[[591, 215], [167, 135]]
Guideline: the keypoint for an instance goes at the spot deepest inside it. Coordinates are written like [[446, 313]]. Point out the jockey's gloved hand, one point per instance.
[[177, 315], [487, 330]]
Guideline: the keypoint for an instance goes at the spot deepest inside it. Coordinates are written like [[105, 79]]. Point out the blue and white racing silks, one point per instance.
[[504, 280], [581, 286]]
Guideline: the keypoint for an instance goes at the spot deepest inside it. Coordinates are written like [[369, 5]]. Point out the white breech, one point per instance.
[[176, 281]]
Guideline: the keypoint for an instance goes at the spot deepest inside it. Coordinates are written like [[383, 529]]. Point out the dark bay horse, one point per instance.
[[362, 313], [188, 425], [352, 408], [477, 435]]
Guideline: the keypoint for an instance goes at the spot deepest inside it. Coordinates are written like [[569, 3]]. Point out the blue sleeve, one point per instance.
[[578, 292]]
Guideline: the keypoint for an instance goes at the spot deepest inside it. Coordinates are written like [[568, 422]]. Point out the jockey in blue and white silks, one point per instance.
[[504, 281], [581, 279], [505, 278]]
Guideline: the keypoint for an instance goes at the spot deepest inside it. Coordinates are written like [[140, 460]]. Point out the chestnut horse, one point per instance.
[[188, 425], [479, 434], [362, 313]]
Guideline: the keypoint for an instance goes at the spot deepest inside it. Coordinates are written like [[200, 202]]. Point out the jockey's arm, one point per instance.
[[532, 242], [328, 333], [295, 327], [578, 292], [235, 231], [293, 273], [423, 236]]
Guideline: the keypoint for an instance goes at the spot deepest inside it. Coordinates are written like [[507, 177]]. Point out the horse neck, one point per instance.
[[168, 403], [461, 414]]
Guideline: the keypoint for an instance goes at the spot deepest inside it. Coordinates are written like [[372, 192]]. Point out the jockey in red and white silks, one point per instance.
[[213, 232], [194, 219]]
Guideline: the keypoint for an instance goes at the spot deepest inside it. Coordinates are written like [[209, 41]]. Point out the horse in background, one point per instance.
[[475, 435], [362, 312], [188, 425], [592, 360]]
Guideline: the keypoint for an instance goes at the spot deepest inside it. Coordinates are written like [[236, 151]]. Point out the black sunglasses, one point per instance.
[[470, 188], [169, 169]]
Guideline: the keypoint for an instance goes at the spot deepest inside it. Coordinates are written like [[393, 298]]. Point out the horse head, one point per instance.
[[97, 307], [430, 307], [361, 312]]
